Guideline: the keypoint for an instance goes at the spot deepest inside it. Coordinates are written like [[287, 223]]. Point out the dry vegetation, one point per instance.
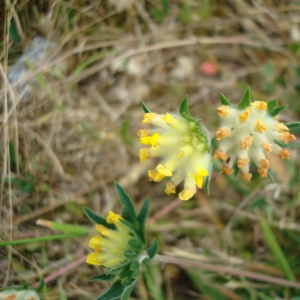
[[73, 134]]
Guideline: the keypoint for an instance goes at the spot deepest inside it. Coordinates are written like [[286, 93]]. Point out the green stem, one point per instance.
[[37, 239]]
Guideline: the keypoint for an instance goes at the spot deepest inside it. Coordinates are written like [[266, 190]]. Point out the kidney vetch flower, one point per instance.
[[183, 145], [111, 244], [249, 133]]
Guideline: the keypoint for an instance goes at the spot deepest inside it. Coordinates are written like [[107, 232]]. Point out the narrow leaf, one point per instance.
[[224, 100], [145, 108], [278, 110], [128, 288], [104, 277], [41, 285], [206, 184], [141, 218], [288, 145], [97, 219], [114, 292], [270, 175], [275, 248], [135, 266], [152, 249], [293, 127], [128, 212], [246, 101], [272, 105]]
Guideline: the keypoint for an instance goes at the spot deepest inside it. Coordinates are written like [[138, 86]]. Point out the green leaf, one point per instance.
[[275, 248], [128, 212], [145, 108], [152, 249], [288, 145], [119, 268], [135, 266], [135, 245], [246, 101], [128, 288], [236, 170], [270, 175], [114, 292], [129, 255], [141, 218], [13, 32], [272, 105], [41, 285], [131, 227], [278, 110], [224, 100], [258, 203], [97, 219], [184, 109], [104, 277]]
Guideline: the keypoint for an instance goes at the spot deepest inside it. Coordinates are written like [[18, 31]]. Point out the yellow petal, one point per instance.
[[245, 115], [144, 154], [169, 119], [170, 188], [163, 170], [222, 133], [224, 111], [92, 259], [259, 105], [187, 194], [260, 126], [112, 218], [149, 117], [95, 241]]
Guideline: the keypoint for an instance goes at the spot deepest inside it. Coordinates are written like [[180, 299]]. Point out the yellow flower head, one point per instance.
[[250, 134], [111, 244], [183, 146]]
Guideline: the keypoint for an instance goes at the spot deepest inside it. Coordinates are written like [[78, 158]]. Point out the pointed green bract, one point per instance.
[[278, 110], [272, 105], [128, 212], [145, 108], [184, 110], [246, 101], [292, 125], [97, 219], [141, 218], [152, 249], [288, 145], [224, 100]]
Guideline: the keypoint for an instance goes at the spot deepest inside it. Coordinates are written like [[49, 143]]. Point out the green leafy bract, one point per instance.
[[97, 219], [246, 101], [141, 219], [224, 100], [152, 249], [104, 277], [145, 108], [288, 145], [128, 212], [277, 110], [184, 110], [272, 105]]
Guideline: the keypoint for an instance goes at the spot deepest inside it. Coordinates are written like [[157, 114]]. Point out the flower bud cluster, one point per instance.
[[249, 135]]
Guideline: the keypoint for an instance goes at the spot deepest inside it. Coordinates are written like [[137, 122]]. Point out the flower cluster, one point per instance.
[[111, 244], [184, 148], [249, 134], [15, 294]]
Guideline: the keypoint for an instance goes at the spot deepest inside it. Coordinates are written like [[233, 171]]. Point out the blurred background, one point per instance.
[[73, 76]]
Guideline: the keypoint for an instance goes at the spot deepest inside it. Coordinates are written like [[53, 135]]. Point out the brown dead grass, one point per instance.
[[75, 134]]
